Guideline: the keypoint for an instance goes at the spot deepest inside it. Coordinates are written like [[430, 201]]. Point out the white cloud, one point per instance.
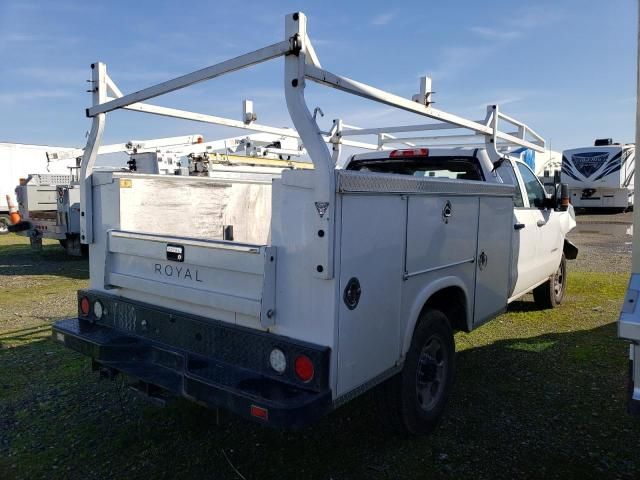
[[458, 59], [382, 19], [496, 33], [32, 95], [535, 16], [55, 75]]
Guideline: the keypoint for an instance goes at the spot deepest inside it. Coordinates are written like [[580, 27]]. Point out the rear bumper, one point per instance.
[[208, 379]]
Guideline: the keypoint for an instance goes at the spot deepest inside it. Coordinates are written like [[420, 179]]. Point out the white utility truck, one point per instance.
[[600, 176], [49, 204], [17, 161], [335, 279]]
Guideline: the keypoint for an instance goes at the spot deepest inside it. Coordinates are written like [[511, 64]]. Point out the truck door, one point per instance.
[[548, 232], [524, 237]]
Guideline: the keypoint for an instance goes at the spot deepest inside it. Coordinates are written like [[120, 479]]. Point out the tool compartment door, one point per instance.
[[441, 232], [493, 263], [372, 252]]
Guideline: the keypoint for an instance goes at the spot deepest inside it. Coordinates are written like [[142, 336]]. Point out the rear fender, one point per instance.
[[422, 298]]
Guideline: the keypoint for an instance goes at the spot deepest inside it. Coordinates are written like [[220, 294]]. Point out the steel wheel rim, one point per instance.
[[431, 373], [4, 228], [558, 281]]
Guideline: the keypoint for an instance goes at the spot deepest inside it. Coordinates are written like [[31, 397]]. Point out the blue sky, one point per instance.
[[567, 68]]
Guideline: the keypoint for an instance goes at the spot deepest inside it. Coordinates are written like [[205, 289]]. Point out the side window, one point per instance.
[[508, 176], [535, 191]]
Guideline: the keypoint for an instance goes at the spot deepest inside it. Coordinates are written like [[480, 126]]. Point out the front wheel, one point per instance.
[[4, 224], [414, 400], [551, 292]]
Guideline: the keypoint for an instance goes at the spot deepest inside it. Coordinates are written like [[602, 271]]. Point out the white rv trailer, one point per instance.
[[17, 161], [600, 176], [340, 277]]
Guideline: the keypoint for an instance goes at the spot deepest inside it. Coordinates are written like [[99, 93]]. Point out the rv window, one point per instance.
[[460, 168]]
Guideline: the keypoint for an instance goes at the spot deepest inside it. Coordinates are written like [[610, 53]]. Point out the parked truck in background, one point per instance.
[[601, 176], [49, 204], [17, 161], [334, 279]]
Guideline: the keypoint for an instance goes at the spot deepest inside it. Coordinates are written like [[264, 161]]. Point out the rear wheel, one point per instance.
[[551, 292], [413, 401]]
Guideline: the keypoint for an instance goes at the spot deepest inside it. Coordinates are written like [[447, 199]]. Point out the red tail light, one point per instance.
[[304, 368], [410, 152], [85, 306], [259, 412]]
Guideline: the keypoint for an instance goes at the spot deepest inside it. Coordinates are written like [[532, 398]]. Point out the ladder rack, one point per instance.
[[301, 63]]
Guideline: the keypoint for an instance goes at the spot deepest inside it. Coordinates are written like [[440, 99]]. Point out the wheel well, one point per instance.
[[452, 302]]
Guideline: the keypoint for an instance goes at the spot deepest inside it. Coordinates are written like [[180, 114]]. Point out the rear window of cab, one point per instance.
[[457, 168]]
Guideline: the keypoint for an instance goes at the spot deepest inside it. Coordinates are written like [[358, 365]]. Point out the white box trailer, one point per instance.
[[600, 176], [338, 278], [17, 161]]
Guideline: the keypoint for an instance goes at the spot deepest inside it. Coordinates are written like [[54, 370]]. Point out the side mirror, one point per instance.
[[563, 198]]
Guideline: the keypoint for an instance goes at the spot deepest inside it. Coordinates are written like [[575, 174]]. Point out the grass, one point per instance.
[[538, 394]]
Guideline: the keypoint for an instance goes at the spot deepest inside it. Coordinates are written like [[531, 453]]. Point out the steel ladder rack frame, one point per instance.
[[301, 63]]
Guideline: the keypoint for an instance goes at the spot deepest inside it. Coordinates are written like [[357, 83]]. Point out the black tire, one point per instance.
[[551, 292], [63, 243], [4, 224], [413, 401]]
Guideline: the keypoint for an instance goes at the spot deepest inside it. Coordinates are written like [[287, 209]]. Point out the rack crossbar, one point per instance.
[[237, 63]]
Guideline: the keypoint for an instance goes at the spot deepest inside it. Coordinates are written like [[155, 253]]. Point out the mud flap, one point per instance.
[[570, 250]]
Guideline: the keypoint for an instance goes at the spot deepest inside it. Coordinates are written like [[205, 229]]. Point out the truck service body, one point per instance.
[[17, 161], [283, 294], [600, 176]]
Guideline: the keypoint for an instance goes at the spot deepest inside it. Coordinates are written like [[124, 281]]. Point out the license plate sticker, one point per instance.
[[175, 252]]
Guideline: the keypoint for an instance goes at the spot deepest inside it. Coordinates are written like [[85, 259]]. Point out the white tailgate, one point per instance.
[[221, 275]]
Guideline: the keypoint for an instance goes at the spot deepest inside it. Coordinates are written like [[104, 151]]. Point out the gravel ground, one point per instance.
[[604, 242]]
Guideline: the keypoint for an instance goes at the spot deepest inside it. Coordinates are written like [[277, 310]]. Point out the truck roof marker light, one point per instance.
[[259, 412], [304, 368], [409, 152], [85, 306]]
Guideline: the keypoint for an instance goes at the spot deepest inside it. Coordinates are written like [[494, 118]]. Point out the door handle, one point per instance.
[[519, 226], [541, 223]]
